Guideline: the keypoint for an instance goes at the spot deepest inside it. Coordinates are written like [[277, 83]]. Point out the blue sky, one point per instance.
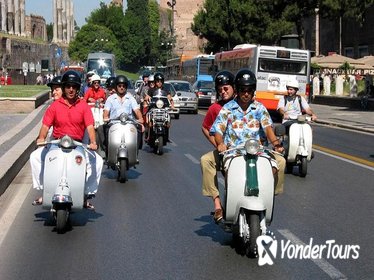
[[82, 8]]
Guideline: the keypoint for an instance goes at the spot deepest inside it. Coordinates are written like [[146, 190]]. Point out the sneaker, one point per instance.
[[218, 215]]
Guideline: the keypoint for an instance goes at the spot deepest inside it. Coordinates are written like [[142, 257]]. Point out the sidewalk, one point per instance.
[[19, 131], [344, 117]]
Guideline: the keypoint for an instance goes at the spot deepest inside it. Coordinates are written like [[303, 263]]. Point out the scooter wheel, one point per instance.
[[62, 216], [303, 167]]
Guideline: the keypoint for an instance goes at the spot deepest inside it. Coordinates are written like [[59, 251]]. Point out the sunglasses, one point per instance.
[[121, 86], [96, 83], [224, 88], [71, 86], [246, 90]]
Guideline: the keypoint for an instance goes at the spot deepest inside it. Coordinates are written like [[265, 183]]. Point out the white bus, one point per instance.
[[102, 64], [273, 66]]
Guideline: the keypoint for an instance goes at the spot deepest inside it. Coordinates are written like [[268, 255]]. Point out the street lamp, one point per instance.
[[171, 4], [168, 46]]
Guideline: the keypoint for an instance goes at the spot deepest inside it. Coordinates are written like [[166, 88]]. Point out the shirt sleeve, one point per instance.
[[280, 103], [304, 103], [49, 115], [220, 123], [265, 117], [108, 103], [134, 104]]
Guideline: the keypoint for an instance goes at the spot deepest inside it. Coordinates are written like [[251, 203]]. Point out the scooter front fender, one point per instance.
[[122, 153]]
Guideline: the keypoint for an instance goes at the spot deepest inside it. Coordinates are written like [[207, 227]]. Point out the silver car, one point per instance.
[[187, 97]]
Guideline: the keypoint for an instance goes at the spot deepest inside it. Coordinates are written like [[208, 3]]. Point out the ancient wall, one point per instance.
[[184, 11], [36, 27]]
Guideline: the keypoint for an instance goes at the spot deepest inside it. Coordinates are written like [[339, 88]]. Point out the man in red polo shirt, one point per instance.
[[224, 84], [71, 116], [95, 92]]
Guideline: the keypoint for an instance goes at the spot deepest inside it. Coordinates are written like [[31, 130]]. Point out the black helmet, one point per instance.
[[56, 81], [146, 73], [245, 78], [224, 78], [159, 77], [110, 82], [71, 77], [122, 80]]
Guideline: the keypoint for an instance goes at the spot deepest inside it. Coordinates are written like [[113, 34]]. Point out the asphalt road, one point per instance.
[[158, 225]]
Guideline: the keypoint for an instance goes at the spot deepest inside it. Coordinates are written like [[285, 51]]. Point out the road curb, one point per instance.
[[357, 128]]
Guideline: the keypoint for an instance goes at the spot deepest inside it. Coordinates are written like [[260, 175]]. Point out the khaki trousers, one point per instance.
[[209, 166]]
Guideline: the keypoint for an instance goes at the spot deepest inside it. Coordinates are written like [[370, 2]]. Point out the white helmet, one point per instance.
[[151, 78], [95, 78], [293, 84]]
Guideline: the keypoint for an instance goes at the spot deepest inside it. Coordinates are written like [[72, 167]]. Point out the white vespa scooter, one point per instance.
[[298, 145], [249, 195], [123, 145], [64, 179], [97, 110]]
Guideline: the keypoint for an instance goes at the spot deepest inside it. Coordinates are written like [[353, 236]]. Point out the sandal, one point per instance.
[[38, 201], [89, 206]]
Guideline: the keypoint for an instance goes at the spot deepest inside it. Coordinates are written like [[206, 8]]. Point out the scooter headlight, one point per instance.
[[123, 117], [66, 142], [159, 104], [252, 146]]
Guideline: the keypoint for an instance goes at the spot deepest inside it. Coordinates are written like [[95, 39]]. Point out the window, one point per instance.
[[349, 52], [363, 51]]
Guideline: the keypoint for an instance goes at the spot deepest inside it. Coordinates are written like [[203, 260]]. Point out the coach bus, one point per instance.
[[173, 70], [198, 68], [273, 67], [102, 64]]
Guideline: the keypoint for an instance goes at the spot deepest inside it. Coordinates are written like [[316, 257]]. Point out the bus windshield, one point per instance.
[[282, 66], [205, 66], [101, 67]]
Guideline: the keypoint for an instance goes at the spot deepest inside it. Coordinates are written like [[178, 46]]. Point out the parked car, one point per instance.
[[169, 87], [205, 92], [187, 97]]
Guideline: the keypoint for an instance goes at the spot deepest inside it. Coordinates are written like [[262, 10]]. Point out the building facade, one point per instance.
[[184, 11]]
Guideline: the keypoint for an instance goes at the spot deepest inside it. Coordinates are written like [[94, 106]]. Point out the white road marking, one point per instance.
[[344, 159], [322, 263], [192, 158], [15, 195]]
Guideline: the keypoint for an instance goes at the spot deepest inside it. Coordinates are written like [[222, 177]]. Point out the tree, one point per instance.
[[93, 38], [226, 23]]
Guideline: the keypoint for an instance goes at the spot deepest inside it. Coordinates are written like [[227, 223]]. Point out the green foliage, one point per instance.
[[92, 38], [50, 32]]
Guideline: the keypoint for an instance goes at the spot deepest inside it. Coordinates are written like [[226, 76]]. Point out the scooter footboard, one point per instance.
[[236, 184], [64, 174]]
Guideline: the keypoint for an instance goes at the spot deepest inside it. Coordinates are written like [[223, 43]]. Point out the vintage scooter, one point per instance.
[[159, 119], [249, 194], [64, 179], [298, 145], [123, 138]]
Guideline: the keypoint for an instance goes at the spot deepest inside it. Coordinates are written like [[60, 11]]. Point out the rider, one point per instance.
[[95, 92], [224, 85], [242, 118], [293, 105], [110, 86], [158, 90], [121, 102], [80, 118], [143, 94]]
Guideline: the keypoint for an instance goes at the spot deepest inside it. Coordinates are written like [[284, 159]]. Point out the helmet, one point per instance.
[[146, 73], [95, 78], [110, 82], [224, 78], [245, 78], [293, 84], [56, 81], [122, 80], [71, 77], [159, 77], [151, 78]]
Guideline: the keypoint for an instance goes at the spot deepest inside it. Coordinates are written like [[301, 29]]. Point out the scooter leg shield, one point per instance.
[[235, 198]]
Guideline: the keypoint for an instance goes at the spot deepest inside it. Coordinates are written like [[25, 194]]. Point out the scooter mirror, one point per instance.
[[280, 130]]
